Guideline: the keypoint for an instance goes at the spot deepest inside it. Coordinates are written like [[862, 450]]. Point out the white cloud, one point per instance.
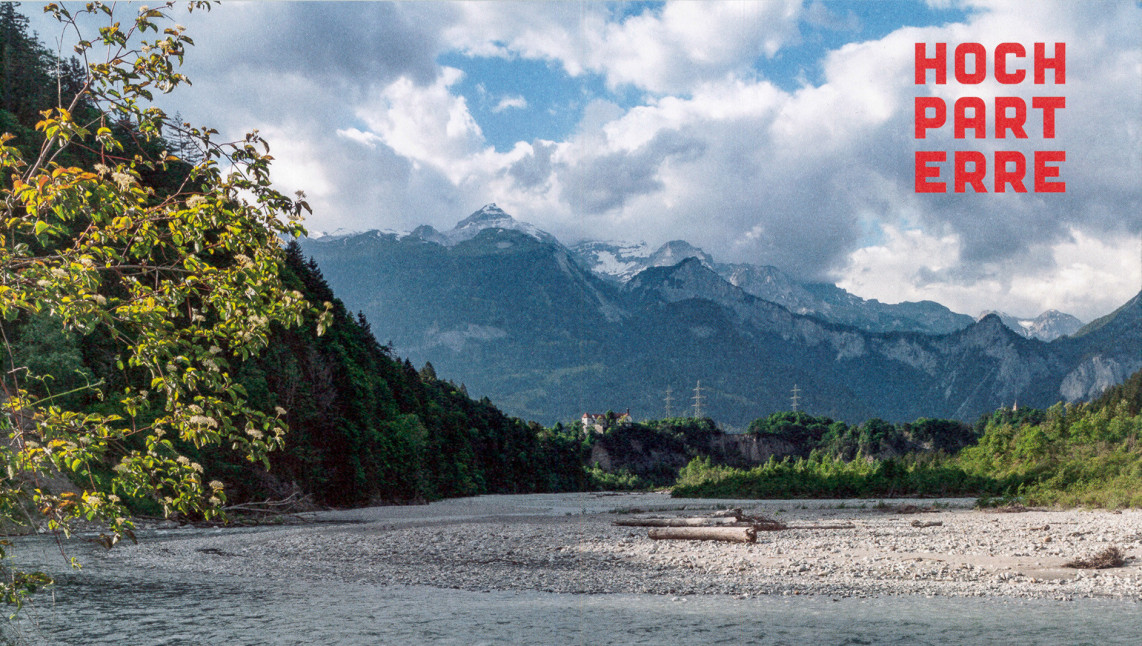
[[903, 266], [1087, 270], [428, 124], [1084, 275], [690, 42], [513, 102], [666, 51], [298, 163]]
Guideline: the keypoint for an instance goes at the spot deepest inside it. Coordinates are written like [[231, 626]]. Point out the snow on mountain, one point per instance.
[[621, 261], [676, 251], [488, 217], [618, 261], [1048, 326], [346, 234], [334, 234], [491, 217]]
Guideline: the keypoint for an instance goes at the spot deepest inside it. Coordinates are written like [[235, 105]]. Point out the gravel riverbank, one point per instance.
[[567, 543]]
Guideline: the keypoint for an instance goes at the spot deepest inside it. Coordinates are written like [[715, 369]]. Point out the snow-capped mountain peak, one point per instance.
[[488, 215], [492, 217], [344, 234], [675, 251]]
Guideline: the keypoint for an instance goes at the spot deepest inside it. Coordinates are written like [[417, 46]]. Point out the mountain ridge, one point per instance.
[[519, 319]]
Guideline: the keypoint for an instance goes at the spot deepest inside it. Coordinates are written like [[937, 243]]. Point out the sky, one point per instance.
[[776, 133]]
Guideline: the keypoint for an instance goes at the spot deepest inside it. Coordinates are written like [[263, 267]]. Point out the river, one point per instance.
[[110, 601]]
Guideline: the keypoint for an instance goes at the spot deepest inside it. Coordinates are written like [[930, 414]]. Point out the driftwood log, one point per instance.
[[767, 524], [730, 534]]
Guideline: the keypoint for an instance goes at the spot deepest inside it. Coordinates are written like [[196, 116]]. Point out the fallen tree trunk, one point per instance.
[[730, 534], [675, 522], [768, 525]]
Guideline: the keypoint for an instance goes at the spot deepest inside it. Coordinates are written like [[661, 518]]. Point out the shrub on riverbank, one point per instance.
[[621, 480], [1085, 454]]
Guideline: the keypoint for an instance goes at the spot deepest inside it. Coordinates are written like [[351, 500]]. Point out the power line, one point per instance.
[[795, 399], [669, 399], [698, 400]]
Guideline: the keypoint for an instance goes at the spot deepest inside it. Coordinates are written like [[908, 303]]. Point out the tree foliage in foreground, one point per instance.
[[364, 425], [176, 284]]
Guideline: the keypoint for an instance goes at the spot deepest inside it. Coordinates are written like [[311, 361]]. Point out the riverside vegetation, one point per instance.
[[158, 362], [1085, 454]]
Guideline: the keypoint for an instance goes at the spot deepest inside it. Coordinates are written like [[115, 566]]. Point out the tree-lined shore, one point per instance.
[[1085, 454]]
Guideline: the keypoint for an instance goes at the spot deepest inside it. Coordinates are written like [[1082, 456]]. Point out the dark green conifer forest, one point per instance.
[[367, 426]]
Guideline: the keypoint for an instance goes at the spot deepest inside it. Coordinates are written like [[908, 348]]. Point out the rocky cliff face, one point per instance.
[[661, 461]]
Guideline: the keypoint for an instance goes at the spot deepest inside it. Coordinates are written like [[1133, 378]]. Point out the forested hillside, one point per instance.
[[367, 426]]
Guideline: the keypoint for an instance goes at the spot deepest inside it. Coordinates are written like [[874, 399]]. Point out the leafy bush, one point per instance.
[[621, 480]]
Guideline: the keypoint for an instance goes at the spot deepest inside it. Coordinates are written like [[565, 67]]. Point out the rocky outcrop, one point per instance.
[[661, 461]]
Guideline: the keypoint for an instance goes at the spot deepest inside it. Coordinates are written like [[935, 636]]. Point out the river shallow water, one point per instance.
[[134, 608], [112, 600]]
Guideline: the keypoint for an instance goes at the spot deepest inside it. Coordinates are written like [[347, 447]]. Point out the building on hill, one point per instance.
[[603, 421]]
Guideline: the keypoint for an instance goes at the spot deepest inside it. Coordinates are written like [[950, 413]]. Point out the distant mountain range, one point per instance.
[[621, 262], [549, 332]]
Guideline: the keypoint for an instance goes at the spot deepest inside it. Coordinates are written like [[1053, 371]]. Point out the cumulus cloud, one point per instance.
[[534, 168], [913, 265], [694, 142], [666, 50], [606, 182], [358, 44], [428, 124]]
